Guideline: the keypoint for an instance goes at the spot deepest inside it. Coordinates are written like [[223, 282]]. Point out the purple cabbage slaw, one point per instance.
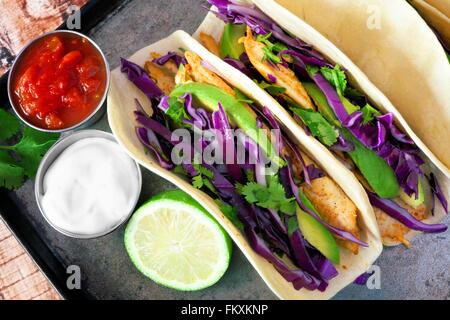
[[266, 230], [381, 136]]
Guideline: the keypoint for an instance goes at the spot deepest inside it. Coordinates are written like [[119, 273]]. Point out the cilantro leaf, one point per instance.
[[271, 88], [318, 125], [11, 175], [10, 125], [312, 70], [203, 171], [231, 213], [369, 113], [250, 174], [177, 112], [335, 77], [197, 182], [272, 196], [271, 50], [203, 179], [32, 147], [27, 153]]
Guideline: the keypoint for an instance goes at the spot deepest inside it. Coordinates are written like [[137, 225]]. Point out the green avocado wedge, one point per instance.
[[375, 169], [229, 44], [315, 233], [240, 115], [321, 103], [379, 175]]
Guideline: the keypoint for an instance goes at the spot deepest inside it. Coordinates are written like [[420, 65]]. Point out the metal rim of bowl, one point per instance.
[[17, 61], [89, 133]]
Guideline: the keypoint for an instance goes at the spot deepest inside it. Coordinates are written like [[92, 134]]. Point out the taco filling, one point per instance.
[[318, 96], [291, 212]]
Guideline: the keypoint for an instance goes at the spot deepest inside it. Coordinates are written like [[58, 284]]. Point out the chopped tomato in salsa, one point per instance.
[[59, 82]]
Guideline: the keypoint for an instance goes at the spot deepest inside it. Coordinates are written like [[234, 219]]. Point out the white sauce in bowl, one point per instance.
[[90, 188]]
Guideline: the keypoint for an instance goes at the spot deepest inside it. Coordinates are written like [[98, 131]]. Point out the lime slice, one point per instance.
[[172, 240]]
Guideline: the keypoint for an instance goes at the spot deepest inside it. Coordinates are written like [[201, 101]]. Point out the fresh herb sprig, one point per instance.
[[21, 160], [272, 196], [271, 50]]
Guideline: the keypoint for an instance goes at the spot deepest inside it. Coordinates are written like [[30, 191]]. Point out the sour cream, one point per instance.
[[90, 188]]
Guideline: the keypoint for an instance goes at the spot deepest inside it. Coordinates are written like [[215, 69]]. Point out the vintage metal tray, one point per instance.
[[421, 272]]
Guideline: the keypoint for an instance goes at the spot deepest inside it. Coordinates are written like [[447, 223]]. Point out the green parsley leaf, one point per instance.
[[231, 213], [177, 111], [32, 147], [27, 153], [179, 170], [272, 88], [335, 77], [318, 125], [250, 174], [369, 113], [11, 175], [271, 50], [9, 125], [203, 179], [203, 171], [197, 182], [272, 196], [312, 70]]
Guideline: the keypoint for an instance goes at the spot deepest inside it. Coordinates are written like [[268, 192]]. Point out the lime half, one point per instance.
[[172, 240]]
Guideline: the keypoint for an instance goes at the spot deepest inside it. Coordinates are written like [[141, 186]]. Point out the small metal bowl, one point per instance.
[[53, 153], [89, 120]]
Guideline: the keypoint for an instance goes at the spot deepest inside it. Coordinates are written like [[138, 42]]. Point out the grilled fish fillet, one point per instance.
[[286, 78], [334, 207]]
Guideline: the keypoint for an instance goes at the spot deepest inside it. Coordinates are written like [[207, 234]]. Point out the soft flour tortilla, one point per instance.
[[437, 15], [121, 106], [214, 27], [399, 53]]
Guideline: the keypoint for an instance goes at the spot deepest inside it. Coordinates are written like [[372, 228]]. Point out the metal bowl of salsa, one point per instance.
[[59, 82]]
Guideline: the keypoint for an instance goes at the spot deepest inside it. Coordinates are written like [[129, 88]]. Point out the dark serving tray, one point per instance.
[[421, 272]]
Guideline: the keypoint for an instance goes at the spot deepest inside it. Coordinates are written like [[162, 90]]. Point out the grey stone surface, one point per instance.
[[418, 273]]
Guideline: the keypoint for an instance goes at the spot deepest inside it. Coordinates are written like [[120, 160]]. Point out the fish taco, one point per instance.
[[299, 216], [398, 52], [318, 93]]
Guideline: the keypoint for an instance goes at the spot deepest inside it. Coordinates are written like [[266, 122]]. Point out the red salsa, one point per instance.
[[59, 81]]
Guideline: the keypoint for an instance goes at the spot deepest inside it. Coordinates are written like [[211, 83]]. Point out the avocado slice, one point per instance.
[[379, 175], [315, 233], [411, 200], [229, 44], [240, 115], [321, 103]]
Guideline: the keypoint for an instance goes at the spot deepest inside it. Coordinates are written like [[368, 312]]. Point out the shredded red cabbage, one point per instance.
[[363, 278], [141, 79], [437, 191], [398, 213], [234, 12], [175, 57], [222, 124], [148, 138]]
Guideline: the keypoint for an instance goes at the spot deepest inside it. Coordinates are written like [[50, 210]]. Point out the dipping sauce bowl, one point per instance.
[[87, 185], [59, 82]]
